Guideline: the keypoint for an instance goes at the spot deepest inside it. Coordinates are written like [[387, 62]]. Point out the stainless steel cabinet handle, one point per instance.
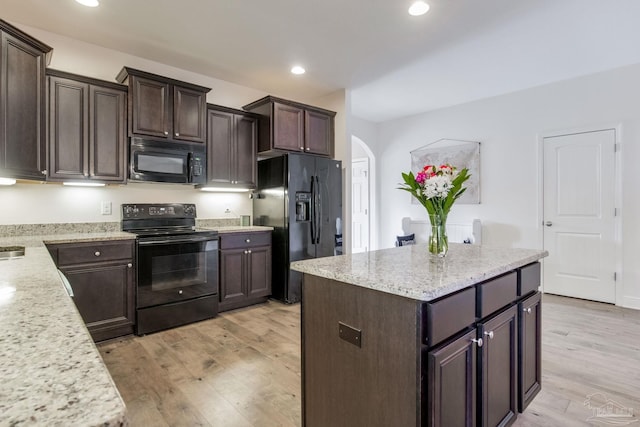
[[66, 283], [479, 341], [177, 134], [527, 310], [97, 253], [308, 149], [129, 265], [249, 251], [302, 148], [489, 334], [548, 223], [166, 132], [248, 240], [180, 292], [245, 252]]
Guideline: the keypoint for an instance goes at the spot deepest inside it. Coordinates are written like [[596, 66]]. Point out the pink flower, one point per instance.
[[421, 177]]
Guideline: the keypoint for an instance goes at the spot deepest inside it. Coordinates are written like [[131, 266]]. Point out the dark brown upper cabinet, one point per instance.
[[165, 108], [22, 104], [87, 129], [292, 126], [232, 138]]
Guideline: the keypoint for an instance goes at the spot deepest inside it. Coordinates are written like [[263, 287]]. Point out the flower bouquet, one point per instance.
[[436, 188]]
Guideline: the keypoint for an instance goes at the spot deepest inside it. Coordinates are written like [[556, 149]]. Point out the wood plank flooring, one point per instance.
[[243, 368]]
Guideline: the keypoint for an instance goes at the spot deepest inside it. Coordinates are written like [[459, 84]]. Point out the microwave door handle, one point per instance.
[[190, 167]]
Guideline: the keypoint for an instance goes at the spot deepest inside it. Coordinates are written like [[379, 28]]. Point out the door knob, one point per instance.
[[489, 334], [478, 341], [527, 310], [548, 223]]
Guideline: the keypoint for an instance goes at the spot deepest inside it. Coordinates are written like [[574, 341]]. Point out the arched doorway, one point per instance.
[[363, 235]]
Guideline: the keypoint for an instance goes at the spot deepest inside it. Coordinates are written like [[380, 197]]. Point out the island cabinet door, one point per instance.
[[451, 379], [497, 376], [529, 354]]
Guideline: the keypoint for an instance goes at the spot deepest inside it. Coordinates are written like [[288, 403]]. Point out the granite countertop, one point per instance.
[[240, 229], [51, 371], [410, 271]]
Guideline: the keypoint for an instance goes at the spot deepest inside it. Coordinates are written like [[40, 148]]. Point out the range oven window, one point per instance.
[[160, 163], [170, 272], [178, 270]]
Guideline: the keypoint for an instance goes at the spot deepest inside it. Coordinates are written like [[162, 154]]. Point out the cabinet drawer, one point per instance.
[[81, 253], [449, 316], [497, 293], [528, 279], [244, 240]]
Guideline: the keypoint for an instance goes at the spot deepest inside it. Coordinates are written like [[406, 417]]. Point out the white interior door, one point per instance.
[[360, 205], [579, 203]]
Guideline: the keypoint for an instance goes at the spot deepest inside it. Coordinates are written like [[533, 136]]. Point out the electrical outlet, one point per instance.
[[105, 208]]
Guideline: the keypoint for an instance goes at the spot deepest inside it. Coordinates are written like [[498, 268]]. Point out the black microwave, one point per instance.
[[167, 161]]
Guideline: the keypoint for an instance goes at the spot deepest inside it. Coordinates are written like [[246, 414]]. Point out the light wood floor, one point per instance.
[[243, 368]]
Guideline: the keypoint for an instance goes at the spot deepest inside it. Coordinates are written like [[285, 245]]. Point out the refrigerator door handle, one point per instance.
[[313, 212], [318, 211]]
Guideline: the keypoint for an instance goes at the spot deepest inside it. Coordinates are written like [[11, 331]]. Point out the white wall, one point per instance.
[[90, 60], [54, 203], [508, 127]]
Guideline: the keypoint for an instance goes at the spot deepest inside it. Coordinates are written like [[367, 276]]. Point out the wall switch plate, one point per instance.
[[105, 208]]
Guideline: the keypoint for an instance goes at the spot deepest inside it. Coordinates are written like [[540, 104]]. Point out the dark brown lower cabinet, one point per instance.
[[477, 354], [497, 369], [245, 269], [451, 393], [102, 278], [102, 294], [485, 356], [529, 350]]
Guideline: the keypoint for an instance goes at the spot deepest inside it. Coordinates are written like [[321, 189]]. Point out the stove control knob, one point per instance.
[[189, 209]]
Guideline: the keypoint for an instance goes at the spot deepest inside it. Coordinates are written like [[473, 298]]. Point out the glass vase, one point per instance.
[[438, 242]]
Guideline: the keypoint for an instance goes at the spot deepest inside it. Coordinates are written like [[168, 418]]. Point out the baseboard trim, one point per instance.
[[631, 302]]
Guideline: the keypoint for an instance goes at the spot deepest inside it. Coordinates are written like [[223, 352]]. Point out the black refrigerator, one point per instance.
[[300, 196]]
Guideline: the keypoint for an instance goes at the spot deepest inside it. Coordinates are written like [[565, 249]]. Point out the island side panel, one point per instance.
[[377, 384]]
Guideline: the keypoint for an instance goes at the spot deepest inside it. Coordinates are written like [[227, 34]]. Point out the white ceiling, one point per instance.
[[393, 64]]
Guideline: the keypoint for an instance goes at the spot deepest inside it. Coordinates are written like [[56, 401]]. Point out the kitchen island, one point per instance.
[[398, 337]]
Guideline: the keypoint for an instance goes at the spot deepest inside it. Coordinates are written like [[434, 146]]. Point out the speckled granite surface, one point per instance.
[[217, 222], [70, 228], [50, 371], [410, 271], [240, 229]]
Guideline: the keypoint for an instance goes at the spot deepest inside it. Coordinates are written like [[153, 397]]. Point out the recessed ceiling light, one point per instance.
[[298, 70], [89, 3], [418, 8]]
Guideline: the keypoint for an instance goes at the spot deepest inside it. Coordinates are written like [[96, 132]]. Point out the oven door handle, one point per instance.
[[172, 241]]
